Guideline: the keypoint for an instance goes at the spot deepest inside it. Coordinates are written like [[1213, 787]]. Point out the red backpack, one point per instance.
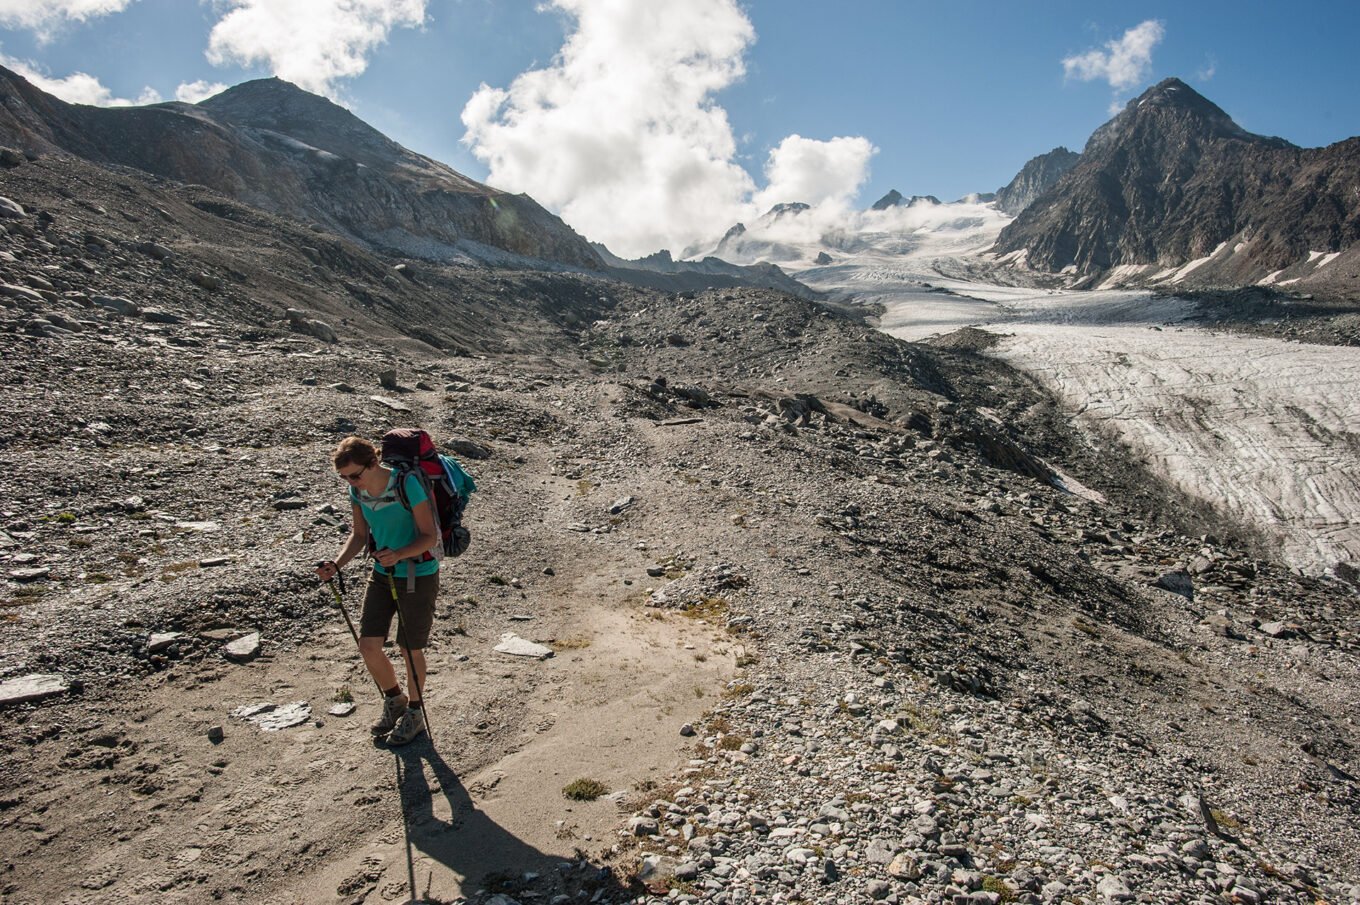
[[411, 451]]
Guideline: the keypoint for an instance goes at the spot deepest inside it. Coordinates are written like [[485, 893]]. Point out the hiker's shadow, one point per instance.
[[482, 853]]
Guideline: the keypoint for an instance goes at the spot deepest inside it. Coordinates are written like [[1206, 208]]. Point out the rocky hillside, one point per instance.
[[833, 617], [1034, 178], [278, 148], [1172, 191]]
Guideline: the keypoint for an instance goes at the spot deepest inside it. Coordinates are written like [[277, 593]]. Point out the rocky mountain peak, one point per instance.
[[895, 198], [892, 199], [1172, 179], [1035, 178], [280, 106], [1172, 108]]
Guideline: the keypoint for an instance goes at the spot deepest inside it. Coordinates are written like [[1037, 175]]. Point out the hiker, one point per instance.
[[401, 540]]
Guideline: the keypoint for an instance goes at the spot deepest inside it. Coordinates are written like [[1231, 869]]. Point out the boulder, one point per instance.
[[243, 648], [117, 304], [299, 322], [468, 449], [1178, 582], [11, 210], [34, 687]]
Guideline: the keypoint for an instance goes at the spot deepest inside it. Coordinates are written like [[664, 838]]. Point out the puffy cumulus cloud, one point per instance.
[[816, 172], [312, 43], [79, 87], [621, 135], [193, 92], [1124, 62], [43, 16]]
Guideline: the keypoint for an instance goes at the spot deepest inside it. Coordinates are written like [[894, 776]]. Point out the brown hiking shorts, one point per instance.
[[417, 610]]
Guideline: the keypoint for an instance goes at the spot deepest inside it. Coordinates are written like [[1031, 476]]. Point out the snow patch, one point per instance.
[[1270, 278], [1124, 273], [1192, 266], [1327, 259]]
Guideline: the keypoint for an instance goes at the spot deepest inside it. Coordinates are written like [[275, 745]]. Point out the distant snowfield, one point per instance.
[[1267, 430]]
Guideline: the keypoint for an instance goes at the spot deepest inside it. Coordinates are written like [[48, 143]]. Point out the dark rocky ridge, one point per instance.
[[894, 198], [271, 145], [1034, 178], [1172, 179]]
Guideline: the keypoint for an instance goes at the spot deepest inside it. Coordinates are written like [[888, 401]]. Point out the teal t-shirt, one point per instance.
[[391, 524]]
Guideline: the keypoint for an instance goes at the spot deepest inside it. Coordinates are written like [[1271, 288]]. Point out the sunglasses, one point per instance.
[[355, 476]]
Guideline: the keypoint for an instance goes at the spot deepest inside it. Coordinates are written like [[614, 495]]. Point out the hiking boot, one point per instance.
[[411, 724], [393, 708]]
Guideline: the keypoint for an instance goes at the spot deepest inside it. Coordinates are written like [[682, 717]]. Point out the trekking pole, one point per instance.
[[338, 594], [410, 660]]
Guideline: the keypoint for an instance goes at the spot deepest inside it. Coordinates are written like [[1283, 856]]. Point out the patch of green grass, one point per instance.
[[66, 518], [584, 789], [498, 580], [731, 742], [343, 695]]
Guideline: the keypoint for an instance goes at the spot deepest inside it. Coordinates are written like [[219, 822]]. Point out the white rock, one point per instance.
[[516, 646], [159, 641], [31, 688], [243, 648]]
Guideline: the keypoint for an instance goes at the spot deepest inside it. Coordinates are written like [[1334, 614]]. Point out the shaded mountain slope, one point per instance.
[[1172, 180], [273, 146]]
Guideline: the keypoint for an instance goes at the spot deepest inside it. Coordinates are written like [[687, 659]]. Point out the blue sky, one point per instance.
[[929, 98]]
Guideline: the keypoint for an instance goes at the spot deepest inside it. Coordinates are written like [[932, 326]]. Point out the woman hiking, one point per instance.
[[401, 540]]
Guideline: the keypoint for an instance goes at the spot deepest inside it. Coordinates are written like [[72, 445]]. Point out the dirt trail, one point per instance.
[[183, 820]]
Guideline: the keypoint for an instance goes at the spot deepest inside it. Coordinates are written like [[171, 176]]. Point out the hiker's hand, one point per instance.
[[326, 571], [386, 558]]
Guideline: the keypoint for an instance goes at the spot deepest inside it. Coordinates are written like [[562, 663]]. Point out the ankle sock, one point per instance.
[[393, 691], [416, 705]]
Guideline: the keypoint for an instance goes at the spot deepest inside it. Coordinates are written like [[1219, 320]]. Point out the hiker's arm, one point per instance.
[[354, 544], [426, 536]]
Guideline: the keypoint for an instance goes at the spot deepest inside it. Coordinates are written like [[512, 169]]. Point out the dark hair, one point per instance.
[[354, 451]]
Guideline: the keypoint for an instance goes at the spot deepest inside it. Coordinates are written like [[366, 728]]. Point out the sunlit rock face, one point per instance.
[[1035, 178]]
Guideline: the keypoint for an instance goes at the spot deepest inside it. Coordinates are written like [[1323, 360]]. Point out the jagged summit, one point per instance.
[[894, 198], [1034, 178], [1172, 179]]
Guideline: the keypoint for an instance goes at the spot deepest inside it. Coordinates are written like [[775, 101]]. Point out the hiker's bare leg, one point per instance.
[[379, 667], [417, 687]]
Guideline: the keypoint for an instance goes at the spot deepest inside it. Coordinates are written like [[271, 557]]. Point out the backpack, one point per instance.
[[411, 451]]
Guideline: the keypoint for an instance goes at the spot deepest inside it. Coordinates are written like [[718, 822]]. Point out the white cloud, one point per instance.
[[311, 43], [816, 172], [1123, 63], [79, 87], [43, 16], [193, 92], [1208, 70], [621, 134]]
